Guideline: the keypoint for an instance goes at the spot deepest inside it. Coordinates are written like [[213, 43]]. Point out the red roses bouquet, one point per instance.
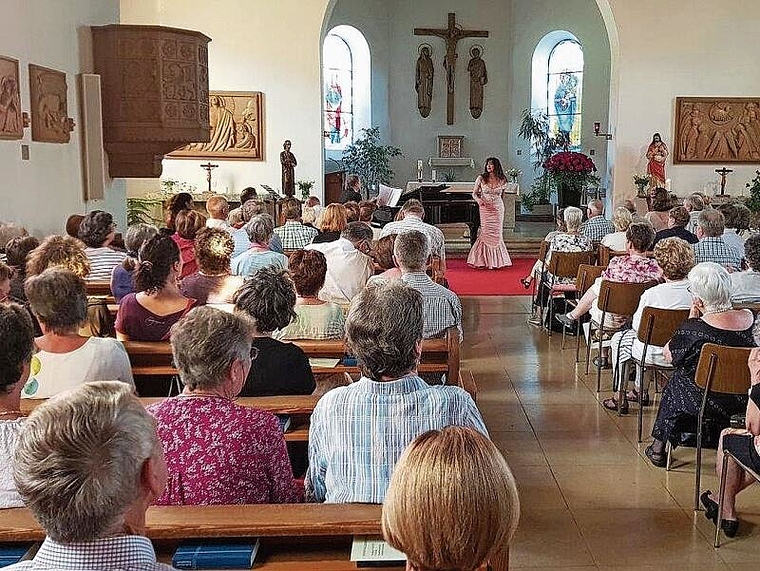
[[570, 162]]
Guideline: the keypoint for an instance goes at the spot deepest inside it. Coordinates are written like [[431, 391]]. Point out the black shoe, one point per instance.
[[711, 507], [601, 363], [565, 320], [730, 527], [657, 458], [612, 404]]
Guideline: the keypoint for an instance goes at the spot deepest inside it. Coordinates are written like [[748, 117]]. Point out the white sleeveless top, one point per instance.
[[9, 433]]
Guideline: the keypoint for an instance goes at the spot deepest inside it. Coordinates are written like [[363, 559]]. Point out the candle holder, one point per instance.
[[598, 131]]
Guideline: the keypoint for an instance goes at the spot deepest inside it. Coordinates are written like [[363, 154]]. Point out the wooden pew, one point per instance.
[[98, 288], [294, 536]]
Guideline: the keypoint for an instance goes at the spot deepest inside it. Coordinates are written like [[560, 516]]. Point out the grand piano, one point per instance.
[[446, 205]]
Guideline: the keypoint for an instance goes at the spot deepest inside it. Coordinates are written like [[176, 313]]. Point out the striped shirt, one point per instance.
[[359, 431], [294, 235], [102, 262], [441, 307], [123, 552]]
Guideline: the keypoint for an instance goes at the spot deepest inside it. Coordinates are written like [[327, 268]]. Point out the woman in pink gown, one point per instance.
[[489, 250]]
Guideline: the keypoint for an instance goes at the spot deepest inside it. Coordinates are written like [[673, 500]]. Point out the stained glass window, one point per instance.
[[338, 92], [564, 89]]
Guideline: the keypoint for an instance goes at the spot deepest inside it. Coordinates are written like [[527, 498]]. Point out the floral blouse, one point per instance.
[[632, 270], [565, 242], [218, 452]]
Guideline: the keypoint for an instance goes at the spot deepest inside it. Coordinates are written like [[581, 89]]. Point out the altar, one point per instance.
[[510, 197]]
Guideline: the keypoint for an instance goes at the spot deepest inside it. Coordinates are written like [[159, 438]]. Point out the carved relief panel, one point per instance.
[[236, 128], [48, 94], [717, 130], [11, 122]]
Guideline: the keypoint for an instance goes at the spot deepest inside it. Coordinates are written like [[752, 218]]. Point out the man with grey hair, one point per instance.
[[597, 226], [260, 230], [441, 306], [88, 465], [349, 264], [359, 431], [711, 246], [413, 214], [248, 210]]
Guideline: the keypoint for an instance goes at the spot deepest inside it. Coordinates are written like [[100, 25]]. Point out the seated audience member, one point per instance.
[[351, 190], [678, 219], [452, 502], [332, 224], [6, 275], [218, 210], [413, 216], [9, 231], [315, 318], [97, 231], [235, 216], [630, 206], [65, 358], [63, 251], [597, 226], [385, 261], [293, 234], [213, 283], [17, 250], [676, 258], [312, 201], [731, 217], [745, 444], [441, 307], [309, 217], [359, 431], [268, 299], [260, 231], [538, 266], [694, 205], [176, 204], [187, 224], [621, 220], [349, 264], [711, 321], [88, 465], [352, 211], [121, 278], [72, 225], [659, 213], [634, 268], [711, 246], [158, 304], [745, 286], [367, 210], [16, 338], [219, 452], [248, 210]]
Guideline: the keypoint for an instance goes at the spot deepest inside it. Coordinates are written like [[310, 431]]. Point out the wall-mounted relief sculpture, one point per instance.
[[717, 130], [50, 116], [237, 128], [11, 122]]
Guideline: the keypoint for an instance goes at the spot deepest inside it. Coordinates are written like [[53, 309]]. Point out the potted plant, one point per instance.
[[568, 173], [369, 159], [305, 187], [753, 201], [641, 181]]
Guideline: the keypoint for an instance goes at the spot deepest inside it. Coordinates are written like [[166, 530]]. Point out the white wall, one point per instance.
[[268, 46], [40, 193]]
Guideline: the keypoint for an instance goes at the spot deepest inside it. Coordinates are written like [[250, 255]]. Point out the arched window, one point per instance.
[[558, 83], [346, 81]]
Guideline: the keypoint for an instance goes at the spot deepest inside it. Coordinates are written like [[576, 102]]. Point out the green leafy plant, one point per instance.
[[305, 187], [142, 210], [368, 158], [753, 200]]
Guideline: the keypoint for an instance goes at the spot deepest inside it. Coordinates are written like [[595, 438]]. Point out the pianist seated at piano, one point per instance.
[[489, 250], [413, 214]]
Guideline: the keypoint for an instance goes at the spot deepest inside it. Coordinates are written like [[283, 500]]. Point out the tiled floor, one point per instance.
[[590, 498]]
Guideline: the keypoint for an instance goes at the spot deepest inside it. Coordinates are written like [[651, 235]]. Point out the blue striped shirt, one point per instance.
[[359, 431]]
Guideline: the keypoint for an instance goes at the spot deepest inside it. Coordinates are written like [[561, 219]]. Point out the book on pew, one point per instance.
[[349, 361], [284, 421], [215, 555], [323, 362], [14, 553], [374, 552]]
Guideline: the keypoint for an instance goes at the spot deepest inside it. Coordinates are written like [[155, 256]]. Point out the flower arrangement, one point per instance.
[[305, 187], [641, 179], [513, 174], [571, 168]]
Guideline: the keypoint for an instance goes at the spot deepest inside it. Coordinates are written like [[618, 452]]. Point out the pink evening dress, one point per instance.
[[489, 250]]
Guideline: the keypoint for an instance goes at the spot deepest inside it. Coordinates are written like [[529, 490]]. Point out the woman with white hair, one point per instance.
[[260, 231], [711, 320]]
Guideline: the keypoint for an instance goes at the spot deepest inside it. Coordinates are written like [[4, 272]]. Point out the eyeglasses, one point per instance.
[[254, 353]]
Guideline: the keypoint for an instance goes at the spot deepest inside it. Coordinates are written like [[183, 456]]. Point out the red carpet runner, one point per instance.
[[464, 280]]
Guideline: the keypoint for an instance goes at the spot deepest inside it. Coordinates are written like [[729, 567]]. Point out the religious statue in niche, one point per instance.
[[423, 80], [289, 163], [657, 153], [717, 130], [11, 122], [236, 128], [478, 79], [566, 103], [48, 94]]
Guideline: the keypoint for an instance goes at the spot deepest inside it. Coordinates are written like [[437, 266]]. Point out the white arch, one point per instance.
[[540, 65]]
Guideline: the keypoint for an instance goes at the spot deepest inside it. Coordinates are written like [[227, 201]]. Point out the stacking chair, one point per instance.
[[604, 255], [542, 253], [656, 328], [726, 455], [563, 265], [587, 274], [720, 370], [616, 298]]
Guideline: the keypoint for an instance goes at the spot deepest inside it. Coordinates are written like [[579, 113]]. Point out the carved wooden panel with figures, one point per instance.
[[717, 130], [50, 115], [11, 122], [236, 128]]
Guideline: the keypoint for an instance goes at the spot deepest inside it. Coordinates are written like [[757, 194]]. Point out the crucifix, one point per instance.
[[723, 172], [208, 168], [452, 34]]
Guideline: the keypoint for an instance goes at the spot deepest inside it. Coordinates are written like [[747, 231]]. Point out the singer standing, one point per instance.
[[489, 250]]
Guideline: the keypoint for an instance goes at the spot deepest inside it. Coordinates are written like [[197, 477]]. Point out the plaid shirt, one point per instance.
[[125, 553], [294, 235], [715, 249], [596, 228], [441, 307], [359, 431]]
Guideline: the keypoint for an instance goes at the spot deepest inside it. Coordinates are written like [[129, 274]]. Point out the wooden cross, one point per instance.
[[208, 167], [451, 35], [723, 172]]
